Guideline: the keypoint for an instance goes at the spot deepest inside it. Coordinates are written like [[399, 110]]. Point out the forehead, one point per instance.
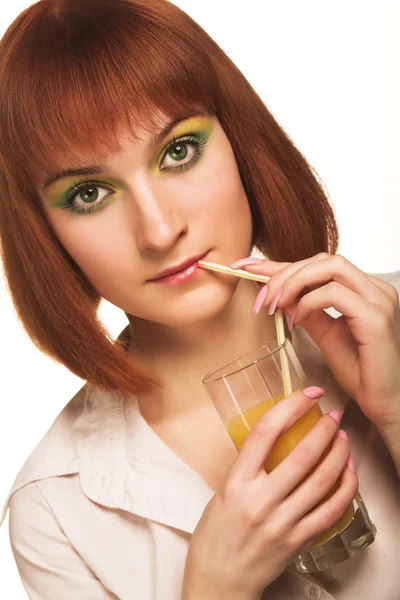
[[93, 160]]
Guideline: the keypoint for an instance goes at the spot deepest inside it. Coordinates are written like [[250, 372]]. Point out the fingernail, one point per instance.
[[342, 434], [259, 301], [336, 416], [274, 302], [250, 260], [350, 465], [291, 324], [314, 392]]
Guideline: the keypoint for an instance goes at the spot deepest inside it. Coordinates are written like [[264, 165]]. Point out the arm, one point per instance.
[[391, 434], [48, 564], [196, 590], [391, 437]]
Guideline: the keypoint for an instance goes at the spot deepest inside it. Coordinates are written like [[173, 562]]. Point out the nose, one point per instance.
[[160, 220]]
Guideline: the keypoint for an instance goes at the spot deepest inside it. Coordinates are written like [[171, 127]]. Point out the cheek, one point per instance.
[[217, 186], [94, 250], [223, 201]]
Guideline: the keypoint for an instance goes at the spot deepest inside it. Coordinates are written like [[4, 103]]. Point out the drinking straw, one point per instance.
[[229, 271], [280, 330]]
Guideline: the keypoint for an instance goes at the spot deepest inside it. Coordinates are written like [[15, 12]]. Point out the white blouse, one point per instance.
[[103, 508]]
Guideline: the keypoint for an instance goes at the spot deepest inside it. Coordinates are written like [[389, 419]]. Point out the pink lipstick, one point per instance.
[[185, 271]]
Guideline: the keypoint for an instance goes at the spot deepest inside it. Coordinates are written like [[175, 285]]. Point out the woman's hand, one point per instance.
[[361, 347], [256, 523]]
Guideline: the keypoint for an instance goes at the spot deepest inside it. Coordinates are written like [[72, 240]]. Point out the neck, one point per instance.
[[182, 357]]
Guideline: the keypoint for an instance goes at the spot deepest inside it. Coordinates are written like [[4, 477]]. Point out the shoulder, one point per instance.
[[57, 453], [28, 508], [37, 510], [45, 530]]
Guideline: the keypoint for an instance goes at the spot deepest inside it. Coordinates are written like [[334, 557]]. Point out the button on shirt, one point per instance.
[[103, 508]]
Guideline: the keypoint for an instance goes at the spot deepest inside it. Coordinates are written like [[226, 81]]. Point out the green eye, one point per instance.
[[86, 193], [177, 151]]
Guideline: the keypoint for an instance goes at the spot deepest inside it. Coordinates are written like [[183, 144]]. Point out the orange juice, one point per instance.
[[240, 426]]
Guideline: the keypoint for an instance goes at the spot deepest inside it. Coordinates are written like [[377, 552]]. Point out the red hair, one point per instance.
[[74, 75]]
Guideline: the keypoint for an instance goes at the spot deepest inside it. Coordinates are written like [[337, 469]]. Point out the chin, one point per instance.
[[198, 305]]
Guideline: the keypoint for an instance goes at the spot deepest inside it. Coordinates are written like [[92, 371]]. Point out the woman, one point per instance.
[[128, 109]]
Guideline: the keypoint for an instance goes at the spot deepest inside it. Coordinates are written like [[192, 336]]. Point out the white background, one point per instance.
[[329, 72]]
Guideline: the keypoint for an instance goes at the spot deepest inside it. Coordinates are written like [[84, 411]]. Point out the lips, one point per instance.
[[176, 269]]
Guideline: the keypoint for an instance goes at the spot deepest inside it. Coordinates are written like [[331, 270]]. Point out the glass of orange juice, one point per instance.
[[246, 388]]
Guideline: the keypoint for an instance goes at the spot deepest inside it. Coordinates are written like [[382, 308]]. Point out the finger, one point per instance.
[[363, 318], [334, 268], [328, 513], [280, 272], [301, 460], [264, 434], [260, 265], [249, 260], [270, 267], [336, 342], [322, 481]]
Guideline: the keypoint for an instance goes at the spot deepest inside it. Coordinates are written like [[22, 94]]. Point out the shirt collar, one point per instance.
[[138, 472]]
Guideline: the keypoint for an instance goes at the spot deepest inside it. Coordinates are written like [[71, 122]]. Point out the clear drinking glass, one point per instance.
[[247, 387]]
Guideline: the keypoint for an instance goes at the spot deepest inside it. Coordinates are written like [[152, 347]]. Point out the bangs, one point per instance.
[[93, 71], [78, 77]]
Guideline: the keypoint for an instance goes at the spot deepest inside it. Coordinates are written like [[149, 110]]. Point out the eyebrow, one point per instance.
[[98, 169]]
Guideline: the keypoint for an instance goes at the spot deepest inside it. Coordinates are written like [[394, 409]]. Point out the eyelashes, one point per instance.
[[87, 186], [197, 142]]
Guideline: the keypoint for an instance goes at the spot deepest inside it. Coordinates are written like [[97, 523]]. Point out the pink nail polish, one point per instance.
[[259, 301], [350, 465], [250, 260], [314, 392], [342, 434], [274, 302], [336, 416]]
